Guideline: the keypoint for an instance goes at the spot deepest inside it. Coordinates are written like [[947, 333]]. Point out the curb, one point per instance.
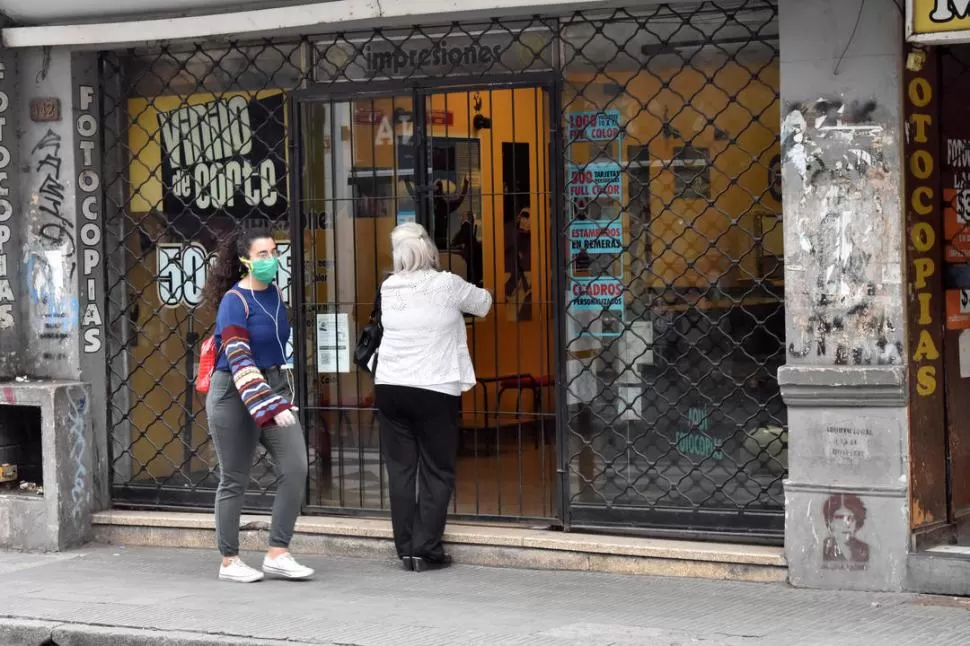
[[30, 632], [25, 632]]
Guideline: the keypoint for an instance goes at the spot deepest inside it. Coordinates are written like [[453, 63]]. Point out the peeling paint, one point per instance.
[[842, 237]]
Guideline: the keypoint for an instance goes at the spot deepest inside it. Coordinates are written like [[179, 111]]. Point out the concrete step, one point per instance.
[[940, 570], [487, 545]]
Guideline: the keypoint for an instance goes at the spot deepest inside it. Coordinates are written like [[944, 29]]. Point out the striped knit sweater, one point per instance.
[[251, 335], [262, 402]]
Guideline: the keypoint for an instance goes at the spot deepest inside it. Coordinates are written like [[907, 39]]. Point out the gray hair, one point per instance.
[[412, 248]]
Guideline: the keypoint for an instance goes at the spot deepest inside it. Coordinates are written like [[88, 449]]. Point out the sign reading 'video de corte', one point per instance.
[[225, 155]]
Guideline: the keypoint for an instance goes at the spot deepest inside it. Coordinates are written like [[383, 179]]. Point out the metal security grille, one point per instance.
[[198, 138], [633, 152], [675, 298]]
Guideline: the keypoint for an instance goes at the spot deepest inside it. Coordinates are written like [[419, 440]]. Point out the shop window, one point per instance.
[[373, 196], [691, 166], [692, 344], [638, 177], [638, 170]]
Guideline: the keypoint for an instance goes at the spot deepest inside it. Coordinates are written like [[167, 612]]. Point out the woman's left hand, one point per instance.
[[286, 418]]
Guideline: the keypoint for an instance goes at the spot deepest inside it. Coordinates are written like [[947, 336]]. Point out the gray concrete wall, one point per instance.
[[51, 259], [51, 248], [845, 382], [842, 148]]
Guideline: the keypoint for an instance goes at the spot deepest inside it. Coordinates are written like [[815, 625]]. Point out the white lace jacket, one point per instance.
[[424, 343]]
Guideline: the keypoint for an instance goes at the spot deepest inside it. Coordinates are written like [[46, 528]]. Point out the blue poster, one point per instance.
[[602, 300], [596, 236], [596, 180], [597, 294], [596, 248]]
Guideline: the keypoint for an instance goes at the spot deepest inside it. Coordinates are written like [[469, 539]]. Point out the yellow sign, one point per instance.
[[938, 21]]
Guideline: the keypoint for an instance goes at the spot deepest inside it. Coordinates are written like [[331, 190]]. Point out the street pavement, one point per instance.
[[107, 596]]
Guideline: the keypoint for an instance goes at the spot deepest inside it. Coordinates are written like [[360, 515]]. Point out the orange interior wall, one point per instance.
[[696, 243], [500, 345]]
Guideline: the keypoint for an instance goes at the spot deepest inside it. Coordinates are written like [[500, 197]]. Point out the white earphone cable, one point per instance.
[[276, 333]]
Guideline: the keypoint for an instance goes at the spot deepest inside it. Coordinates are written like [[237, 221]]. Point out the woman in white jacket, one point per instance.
[[423, 367]]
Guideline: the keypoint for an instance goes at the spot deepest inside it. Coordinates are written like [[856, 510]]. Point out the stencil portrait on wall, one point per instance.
[[844, 516]]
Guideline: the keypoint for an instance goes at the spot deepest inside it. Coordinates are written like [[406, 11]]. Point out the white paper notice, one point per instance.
[[964, 354], [333, 343], [55, 260]]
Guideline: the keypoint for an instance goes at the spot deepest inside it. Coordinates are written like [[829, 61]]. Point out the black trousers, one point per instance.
[[419, 440]]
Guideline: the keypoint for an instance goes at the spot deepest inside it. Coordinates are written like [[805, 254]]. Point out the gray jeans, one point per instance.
[[236, 436]]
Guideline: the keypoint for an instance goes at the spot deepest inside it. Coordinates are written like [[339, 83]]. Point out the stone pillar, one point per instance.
[[55, 344], [48, 191], [847, 517]]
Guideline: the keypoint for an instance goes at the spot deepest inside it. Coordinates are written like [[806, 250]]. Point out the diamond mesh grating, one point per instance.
[[675, 309], [668, 218]]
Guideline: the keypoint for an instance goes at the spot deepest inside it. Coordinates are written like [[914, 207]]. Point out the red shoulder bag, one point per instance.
[[209, 353]]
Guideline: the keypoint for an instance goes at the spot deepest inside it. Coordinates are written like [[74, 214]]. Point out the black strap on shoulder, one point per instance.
[[375, 315]]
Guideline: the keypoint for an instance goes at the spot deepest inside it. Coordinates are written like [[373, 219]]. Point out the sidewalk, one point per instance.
[[109, 596]]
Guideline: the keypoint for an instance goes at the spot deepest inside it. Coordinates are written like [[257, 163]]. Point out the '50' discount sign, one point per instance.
[[182, 269]]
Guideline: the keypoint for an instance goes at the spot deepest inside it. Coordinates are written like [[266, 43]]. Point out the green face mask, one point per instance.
[[263, 269]]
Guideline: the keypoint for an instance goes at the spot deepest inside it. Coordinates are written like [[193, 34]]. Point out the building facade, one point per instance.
[[712, 229]]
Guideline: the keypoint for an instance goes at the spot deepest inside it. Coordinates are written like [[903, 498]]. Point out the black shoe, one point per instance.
[[422, 564], [407, 563]]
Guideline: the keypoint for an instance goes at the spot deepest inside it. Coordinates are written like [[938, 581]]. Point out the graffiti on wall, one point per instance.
[[89, 187], [80, 491], [50, 258], [53, 227], [6, 211], [833, 152], [844, 515]]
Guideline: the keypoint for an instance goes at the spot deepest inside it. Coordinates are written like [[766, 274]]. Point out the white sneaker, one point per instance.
[[286, 566], [239, 572]]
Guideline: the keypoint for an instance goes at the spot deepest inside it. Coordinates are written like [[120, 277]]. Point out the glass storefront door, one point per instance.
[[472, 166]]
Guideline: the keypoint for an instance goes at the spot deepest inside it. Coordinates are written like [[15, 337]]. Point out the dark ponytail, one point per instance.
[[228, 269]]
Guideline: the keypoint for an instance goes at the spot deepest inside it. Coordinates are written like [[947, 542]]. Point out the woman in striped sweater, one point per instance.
[[250, 401]]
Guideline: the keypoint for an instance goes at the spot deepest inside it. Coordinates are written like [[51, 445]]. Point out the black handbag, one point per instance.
[[365, 354]]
